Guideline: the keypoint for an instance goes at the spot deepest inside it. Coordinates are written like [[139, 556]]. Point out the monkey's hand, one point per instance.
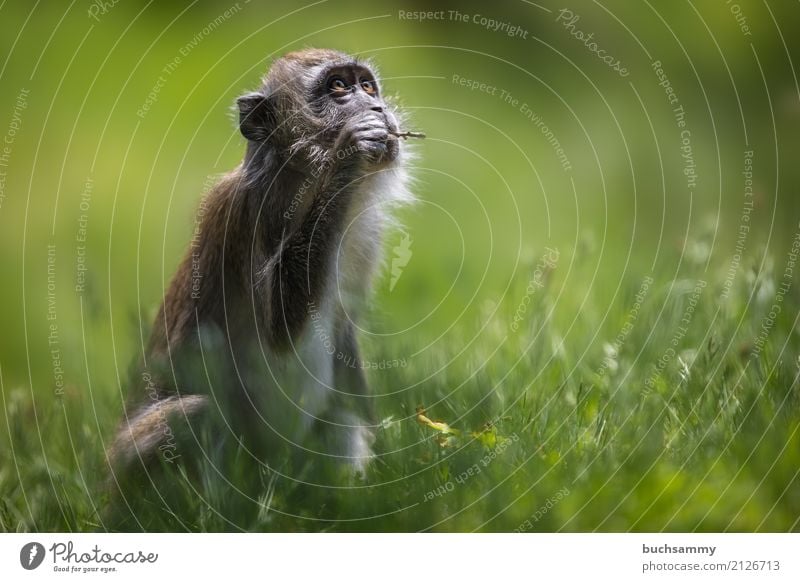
[[366, 139]]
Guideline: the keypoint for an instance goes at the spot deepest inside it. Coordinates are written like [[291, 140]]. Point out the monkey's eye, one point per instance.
[[337, 85], [368, 86]]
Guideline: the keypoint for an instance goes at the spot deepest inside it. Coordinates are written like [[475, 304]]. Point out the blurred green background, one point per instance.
[[118, 114]]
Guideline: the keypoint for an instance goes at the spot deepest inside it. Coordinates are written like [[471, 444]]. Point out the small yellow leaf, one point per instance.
[[442, 427]]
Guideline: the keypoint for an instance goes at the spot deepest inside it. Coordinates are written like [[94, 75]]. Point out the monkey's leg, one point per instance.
[[155, 430], [154, 449]]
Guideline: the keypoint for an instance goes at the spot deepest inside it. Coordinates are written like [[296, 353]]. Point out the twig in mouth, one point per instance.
[[407, 134]]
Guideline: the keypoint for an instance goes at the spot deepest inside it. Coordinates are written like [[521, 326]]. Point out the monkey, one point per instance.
[[257, 327]]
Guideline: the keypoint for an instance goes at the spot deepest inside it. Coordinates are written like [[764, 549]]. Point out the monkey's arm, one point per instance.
[[350, 419], [293, 281], [349, 374], [296, 276]]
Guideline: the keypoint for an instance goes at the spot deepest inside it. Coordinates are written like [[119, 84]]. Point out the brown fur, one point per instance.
[[239, 344]]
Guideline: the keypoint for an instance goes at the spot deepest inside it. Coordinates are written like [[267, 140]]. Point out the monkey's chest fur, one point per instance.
[[318, 383], [279, 399]]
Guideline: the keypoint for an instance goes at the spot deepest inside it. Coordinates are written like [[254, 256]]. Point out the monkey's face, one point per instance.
[[315, 100], [349, 95]]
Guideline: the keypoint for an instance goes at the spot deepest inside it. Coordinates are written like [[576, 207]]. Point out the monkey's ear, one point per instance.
[[255, 116]]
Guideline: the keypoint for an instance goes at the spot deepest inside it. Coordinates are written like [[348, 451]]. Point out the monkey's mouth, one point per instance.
[[392, 145]]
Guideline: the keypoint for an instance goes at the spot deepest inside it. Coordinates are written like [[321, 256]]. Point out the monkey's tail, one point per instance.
[[154, 430]]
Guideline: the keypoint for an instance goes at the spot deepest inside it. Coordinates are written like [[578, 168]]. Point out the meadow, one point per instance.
[[587, 322]]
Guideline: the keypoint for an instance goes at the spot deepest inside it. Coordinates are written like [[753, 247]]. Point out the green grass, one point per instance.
[[587, 437], [581, 438]]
